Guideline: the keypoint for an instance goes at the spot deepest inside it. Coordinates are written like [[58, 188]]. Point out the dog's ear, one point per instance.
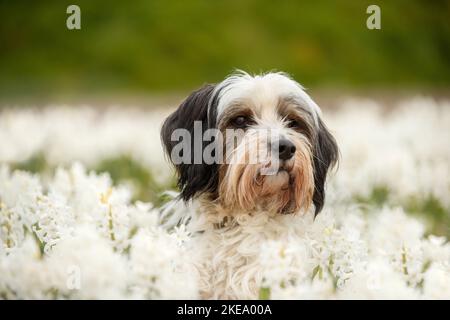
[[193, 177], [326, 154]]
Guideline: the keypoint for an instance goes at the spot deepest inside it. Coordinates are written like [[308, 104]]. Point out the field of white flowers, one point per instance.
[[81, 191]]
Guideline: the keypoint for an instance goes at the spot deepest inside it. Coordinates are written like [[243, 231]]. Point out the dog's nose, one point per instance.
[[286, 149]]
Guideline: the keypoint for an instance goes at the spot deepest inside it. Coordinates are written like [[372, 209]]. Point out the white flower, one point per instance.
[[378, 280], [74, 234], [436, 284]]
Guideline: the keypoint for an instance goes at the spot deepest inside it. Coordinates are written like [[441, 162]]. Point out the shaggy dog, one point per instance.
[[251, 153]]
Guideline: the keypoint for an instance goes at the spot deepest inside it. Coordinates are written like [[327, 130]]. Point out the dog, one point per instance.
[[255, 151]]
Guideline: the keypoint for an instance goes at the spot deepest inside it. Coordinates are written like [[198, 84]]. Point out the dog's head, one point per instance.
[[251, 142]]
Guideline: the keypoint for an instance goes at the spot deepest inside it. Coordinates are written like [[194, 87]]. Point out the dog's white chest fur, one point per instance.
[[228, 257]]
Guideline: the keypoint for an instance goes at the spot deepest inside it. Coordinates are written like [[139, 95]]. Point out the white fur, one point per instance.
[[227, 254], [262, 89], [228, 257]]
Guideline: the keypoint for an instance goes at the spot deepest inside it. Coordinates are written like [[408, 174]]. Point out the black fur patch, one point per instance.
[[193, 179], [326, 154]]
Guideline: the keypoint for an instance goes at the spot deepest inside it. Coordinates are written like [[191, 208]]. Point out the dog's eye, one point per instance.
[[240, 122], [298, 126], [294, 124]]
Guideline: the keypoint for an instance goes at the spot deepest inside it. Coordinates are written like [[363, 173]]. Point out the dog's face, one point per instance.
[[270, 148]]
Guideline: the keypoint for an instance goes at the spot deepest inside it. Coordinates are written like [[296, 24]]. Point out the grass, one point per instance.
[[170, 46], [428, 206], [264, 293], [377, 197], [35, 164], [124, 169]]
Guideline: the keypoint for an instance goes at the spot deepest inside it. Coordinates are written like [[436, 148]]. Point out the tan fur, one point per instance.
[[243, 187]]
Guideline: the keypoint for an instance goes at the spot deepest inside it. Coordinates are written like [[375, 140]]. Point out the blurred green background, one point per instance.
[[156, 47], [165, 48]]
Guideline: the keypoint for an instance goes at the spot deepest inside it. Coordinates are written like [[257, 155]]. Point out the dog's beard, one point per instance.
[[277, 186]]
